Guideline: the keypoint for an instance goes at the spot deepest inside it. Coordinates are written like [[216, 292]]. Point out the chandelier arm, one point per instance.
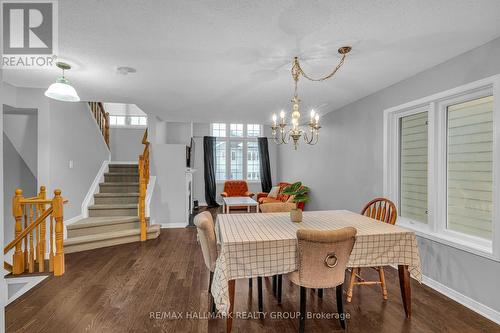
[[301, 71]]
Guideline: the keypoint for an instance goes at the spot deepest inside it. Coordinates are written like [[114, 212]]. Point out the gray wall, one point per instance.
[[16, 175], [345, 169], [20, 146], [126, 143], [76, 137]]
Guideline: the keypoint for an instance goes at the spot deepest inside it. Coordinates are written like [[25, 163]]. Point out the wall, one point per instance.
[[168, 164], [20, 126], [345, 169], [75, 137], [126, 143], [3, 284]]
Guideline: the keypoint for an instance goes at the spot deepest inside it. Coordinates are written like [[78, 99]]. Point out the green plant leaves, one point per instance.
[[298, 191]]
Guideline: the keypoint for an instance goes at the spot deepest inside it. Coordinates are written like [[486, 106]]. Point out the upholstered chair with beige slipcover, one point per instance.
[[322, 262]]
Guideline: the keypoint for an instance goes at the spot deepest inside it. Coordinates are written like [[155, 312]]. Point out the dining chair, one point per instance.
[[206, 236], [383, 210], [322, 261]]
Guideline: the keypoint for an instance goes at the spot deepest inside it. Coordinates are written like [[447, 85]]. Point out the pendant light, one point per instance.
[[61, 90]]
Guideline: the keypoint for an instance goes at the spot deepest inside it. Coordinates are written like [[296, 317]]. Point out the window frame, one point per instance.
[[437, 205], [244, 139], [128, 121]]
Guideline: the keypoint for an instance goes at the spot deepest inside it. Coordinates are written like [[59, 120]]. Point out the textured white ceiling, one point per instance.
[[230, 59]]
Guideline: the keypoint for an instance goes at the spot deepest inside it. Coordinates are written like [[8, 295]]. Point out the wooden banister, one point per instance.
[[102, 119], [143, 184], [32, 234]]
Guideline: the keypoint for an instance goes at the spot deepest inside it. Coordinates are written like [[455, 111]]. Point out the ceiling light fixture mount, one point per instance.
[[279, 131], [61, 90]]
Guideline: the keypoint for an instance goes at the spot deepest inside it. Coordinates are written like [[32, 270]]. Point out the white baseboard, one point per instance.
[[172, 225], [94, 187], [73, 219], [466, 301]]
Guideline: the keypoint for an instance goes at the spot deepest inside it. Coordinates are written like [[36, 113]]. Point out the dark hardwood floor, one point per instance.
[[131, 288]]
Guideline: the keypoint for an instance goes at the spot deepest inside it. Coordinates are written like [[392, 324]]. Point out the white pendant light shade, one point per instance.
[[62, 90]]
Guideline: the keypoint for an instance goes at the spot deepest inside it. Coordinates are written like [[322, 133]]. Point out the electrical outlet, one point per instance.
[[71, 164]]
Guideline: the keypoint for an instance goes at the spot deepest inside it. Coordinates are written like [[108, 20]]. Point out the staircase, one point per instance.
[[114, 216]]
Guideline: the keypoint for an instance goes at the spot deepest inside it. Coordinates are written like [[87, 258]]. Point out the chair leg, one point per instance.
[[382, 282], [340, 305], [275, 281], [302, 320], [351, 284], [213, 309], [280, 286], [250, 283], [259, 293], [320, 293]]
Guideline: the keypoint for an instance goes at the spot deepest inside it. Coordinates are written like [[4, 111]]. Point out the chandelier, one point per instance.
[[281, 134]]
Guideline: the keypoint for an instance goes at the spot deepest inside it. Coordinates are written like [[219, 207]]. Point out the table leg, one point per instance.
[[227, 209], [405, 286], [248, 209], [223, 208], [229, 320]]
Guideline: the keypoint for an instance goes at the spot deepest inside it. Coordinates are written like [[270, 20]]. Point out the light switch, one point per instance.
[[71, 164]]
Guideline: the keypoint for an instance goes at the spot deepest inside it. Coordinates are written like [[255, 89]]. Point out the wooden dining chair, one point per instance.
[[206, 236], [323, 257], [383, 210]]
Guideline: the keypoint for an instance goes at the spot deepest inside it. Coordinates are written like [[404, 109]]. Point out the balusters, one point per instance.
[[51, 245], [43, 235], [102, 119]]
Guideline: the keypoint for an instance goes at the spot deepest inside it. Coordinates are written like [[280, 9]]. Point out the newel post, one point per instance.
[[57, 205], [17, 212]]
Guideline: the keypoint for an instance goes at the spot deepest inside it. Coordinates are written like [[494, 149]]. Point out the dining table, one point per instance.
[[261, 245]]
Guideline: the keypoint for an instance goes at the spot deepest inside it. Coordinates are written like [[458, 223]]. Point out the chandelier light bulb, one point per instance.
[[274, 117], [282, 114], [317, 118]]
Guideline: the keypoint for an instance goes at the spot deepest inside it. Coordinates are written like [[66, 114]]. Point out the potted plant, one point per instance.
[[299, 194]]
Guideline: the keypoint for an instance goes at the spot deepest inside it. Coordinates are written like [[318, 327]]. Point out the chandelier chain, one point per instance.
[[297, 69]]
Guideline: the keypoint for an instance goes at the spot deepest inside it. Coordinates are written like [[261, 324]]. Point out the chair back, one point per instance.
[[206, 235], [235, 188], [381, 209], [323, 256]]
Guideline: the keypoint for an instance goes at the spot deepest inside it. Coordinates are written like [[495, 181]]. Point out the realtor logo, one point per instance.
[[29, 33]]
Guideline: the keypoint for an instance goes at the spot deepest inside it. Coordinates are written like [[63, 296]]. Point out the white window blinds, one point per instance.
[[470, 156], [413, 167]]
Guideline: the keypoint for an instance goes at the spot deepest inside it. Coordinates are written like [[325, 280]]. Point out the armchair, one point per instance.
[[262, 198], [236, 188]]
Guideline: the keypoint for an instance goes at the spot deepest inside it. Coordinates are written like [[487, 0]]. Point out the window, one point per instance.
[[413, 167], [442, 168], [236, 130], [219, 130], [139, 121], [237, 153], [253, 163], [470, 167], [253, 130]]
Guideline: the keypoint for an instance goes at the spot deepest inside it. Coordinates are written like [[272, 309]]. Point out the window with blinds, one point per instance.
[[413, 166], [470, 167]]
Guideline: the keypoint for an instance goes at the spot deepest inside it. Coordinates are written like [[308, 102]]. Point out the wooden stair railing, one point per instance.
[[143, 184], [32, 233], [102, 119]]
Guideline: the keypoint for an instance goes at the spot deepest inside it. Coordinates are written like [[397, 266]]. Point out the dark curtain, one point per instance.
[[209, 152], [265, 166]]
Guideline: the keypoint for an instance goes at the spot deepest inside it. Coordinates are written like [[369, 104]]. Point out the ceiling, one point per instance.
[[229, 60]]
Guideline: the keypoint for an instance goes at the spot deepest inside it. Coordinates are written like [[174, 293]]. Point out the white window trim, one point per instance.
[[435, 229], [245, 139]]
